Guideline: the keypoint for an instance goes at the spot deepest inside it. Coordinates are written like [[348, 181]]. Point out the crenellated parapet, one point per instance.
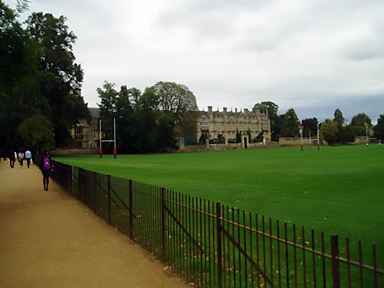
[[226, 124]]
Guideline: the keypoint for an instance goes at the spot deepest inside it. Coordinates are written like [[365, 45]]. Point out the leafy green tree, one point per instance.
[[142, 127], [275, 120], [266, 106], [108, 108], [339, 118], [238, 136], [290, 126], [180, 103], [62, 76], [166, 131], [360, 123], [348, 135], [309, 127], [330, 131], [379, 128], [37, 133], [19, 77]]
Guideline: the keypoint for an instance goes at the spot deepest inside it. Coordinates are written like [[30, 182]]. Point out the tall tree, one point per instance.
[[63, 77], [348, 135], [179, 102], [309, 127], [339, 118], [19, 77], [379, 128], [360, 123], [291, 124], [108, 107], [267, 106], [330, 131], [142, 127], [272, 109]]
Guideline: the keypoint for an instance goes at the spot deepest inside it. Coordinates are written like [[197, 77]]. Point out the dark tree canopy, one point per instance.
[[309, 127], [330, 131], [276, 121], [360, 123], [339, 118], [38, 75], [379, 128], [290, 126], [62, 76], [177, 101], [142, 127]]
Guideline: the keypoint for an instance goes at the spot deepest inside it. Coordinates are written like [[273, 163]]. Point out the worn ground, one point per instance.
[[48, 239]]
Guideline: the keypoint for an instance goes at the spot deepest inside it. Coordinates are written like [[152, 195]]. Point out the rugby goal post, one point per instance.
[[114, 139], [310, 139]]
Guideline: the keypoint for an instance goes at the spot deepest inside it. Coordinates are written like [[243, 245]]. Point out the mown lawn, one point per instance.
[[337, 189]]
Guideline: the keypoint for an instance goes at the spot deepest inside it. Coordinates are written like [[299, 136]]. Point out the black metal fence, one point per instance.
[[212, 245]]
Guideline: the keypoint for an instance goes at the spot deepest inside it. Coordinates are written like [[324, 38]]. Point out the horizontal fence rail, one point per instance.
[[212, 245]]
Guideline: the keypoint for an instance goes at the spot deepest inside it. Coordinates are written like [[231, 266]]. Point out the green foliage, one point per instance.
[[330, 131], [238, 136], [272, 109], [142, 127], [339, 118], [19, 77], [379, 128], [290, 126], [309, 127], [62, 76], [37, 133], [179, 102], [204, 136], [360, 123], [348, 135], [38, 75]]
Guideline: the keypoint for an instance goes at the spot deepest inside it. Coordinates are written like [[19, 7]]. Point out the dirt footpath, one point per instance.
[[48, 239]]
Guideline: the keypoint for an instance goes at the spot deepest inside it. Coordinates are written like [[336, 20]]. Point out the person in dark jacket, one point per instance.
[[12, 157], [45, 167]]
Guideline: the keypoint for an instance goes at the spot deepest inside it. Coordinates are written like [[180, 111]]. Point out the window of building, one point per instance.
[[79, 130]]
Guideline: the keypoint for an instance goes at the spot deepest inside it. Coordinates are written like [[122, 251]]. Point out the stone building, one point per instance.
[[86, 134], [227, 124]]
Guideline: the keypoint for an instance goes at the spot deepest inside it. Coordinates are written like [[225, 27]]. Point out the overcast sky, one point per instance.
[[313, 56]]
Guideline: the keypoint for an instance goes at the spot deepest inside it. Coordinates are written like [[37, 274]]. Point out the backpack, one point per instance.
[[47, 163]]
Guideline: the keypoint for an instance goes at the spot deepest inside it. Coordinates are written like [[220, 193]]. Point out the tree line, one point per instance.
[[148, 121], [39, 81], [334, 131]]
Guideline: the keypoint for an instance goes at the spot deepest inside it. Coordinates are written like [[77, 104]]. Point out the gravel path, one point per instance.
[[48, 239]]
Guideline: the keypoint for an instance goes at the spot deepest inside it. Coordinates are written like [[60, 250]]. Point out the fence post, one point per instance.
[[335, 261], [163, 223], [130, 210], [109, 199], [219, 249], [95, 192]]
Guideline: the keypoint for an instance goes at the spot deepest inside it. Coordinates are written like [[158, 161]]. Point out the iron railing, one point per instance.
[[212, 245]]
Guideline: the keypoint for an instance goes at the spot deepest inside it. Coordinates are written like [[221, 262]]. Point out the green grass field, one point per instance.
[[337, 190]]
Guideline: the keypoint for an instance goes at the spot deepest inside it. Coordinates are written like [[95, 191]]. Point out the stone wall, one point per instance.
[[296, 141]]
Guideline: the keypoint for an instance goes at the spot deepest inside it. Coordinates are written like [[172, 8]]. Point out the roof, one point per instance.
[[95, 112]]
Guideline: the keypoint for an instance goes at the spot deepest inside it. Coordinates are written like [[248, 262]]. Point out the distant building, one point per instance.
[[227, 124], [86, 135]]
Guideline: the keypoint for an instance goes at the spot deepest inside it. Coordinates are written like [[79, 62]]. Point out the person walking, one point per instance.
[[20, 157], [28, 157], [12, 157], [45, 167]]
